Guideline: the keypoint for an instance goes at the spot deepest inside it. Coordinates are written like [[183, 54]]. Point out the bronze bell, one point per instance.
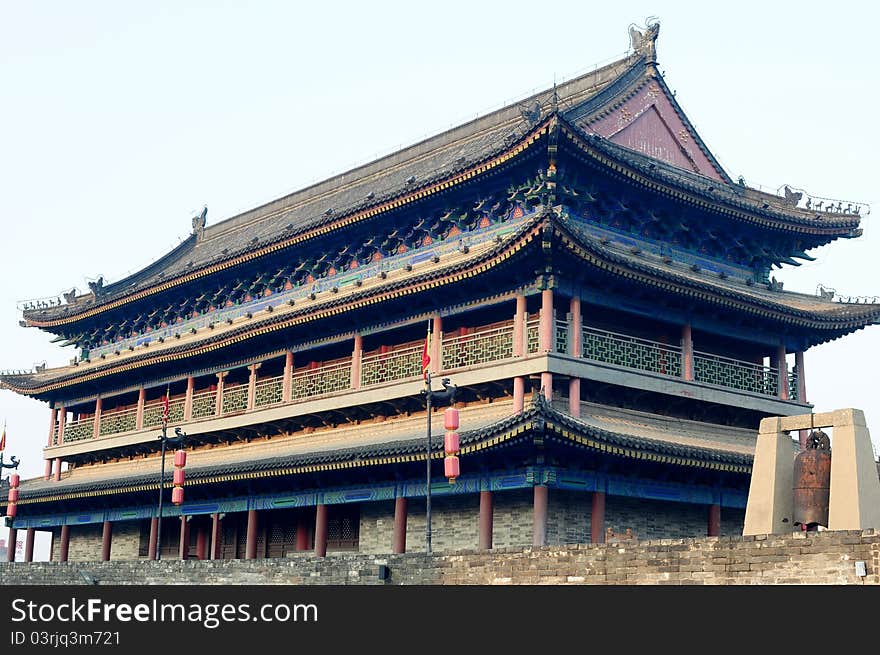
[[812, 482]]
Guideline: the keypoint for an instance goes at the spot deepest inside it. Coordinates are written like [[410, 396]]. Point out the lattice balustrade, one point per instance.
[[631, 352], [54, 439], [79, 430], [116, 422], [269, 391], [483, 346], [736, 374], [204, 404], [561, 337], [318, 381], [153, 413], [394, 365], [235, 398], [533, 336], [793, 393]]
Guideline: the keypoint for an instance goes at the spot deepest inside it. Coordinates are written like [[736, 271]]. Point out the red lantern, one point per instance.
[[13, 496], [177, 495], [451, 468], [180, 458], [10, 510], [450, 418], [179, 477], [450, 443], [14, 479]]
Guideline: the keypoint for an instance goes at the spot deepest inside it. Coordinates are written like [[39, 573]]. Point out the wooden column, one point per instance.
[[539, 516], [321, 531], [287, 381], [139, 415], [47, 469], [400, 510], [218, 402], [436, 339], [106, 538], [29, 544], [188, 398], [202, 538], [597, 518], [53, 418], [547, 324], [62, 419], [252, 386], [216, 535], [64, 546], [714, 524], [486, 516], [250, 549], [57, 469], [51, 544], [802, 392], [97, 426], [357, 354], [574, 349], [11, 543], [302, 533], [154, 535], [687, 352], [519, 326], [783, 372], [519, 394], [183, 546]]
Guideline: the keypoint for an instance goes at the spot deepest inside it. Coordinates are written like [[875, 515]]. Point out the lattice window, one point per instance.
[[714, 369], [631, 352], [793, 393], [116, 422], [326, 379], [268, 392], [153, 413], [235, 398], [343, 527], [395, 365], [204, 404], [484, 346], [561, 342]]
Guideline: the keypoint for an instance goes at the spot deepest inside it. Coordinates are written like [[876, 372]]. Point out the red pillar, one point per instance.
[[321, 531], [519, 320], [250, 550], [547, 324], [106, 538], [539, 519], [519, 394], [202, 542], [64, 546], [687, 352], [302, 533], [10, 546], [53, 418], [802, 391], [597, 518], [436, 336], [216, 532], [29, 545], [356, 356], [486, 515], [62, 420], [154, 535], [783, 373], [252, 386], [183, 547], [188, 398], [218, 401], [714, 528], [51, 544], [47, 469], [139, 412], [57, 469], [96, 432], [287, 381], [574, 349], [399, 525]]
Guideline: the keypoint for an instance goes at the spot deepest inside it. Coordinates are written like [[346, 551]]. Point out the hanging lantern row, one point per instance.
[[179, 476], [12, 499], [451, 467]]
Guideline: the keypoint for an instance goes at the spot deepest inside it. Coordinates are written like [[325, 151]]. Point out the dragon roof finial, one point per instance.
[[643, 41]]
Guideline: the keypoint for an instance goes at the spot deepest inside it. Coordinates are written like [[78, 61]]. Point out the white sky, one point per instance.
[[119, 121]]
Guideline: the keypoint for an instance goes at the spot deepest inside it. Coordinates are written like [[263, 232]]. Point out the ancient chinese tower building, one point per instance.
[[599, 291]]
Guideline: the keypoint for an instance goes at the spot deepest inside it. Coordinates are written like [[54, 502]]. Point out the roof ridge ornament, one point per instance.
[[643, 40], [198, 223]]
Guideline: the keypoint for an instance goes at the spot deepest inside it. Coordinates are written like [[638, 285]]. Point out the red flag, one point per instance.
[[3, 439], [426, 356]]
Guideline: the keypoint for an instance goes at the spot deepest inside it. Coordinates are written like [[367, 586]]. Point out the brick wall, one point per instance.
[[798, 558], [85, 542]]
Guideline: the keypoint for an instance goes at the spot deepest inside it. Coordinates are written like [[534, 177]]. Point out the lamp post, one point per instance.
[[448, 393], [165, 440]]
